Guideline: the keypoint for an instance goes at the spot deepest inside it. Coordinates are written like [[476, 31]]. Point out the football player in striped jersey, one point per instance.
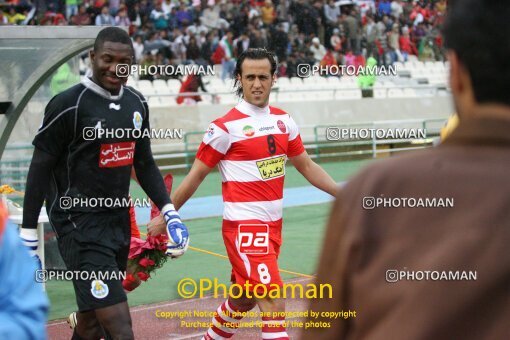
[[250, 145]]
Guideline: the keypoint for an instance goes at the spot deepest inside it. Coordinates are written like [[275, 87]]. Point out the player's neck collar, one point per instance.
[[87, 82], [251, 109]]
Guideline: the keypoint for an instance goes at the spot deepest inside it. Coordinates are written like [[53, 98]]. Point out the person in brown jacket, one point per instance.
[[442, 271]]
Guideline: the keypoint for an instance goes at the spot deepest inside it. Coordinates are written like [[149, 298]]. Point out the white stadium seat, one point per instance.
[[348, 94]]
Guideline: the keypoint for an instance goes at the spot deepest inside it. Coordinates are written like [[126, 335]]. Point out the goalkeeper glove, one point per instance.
[[178, 237], [29, 238]]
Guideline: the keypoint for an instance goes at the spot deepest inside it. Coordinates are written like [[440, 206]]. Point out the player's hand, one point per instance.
[[157, 226], [176, 251], [30, 240], [178, 237]]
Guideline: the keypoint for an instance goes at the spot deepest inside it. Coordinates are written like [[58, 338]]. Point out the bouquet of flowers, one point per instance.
[[145, 256]]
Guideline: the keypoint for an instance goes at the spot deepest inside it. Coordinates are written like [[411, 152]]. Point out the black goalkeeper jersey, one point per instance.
[[93, 135]]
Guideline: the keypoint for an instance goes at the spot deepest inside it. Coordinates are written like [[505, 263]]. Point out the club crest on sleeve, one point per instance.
[[137, 120], [210, 130], [281, 126], [99, 289]]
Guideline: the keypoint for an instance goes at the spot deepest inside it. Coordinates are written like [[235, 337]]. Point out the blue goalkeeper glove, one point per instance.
[[29, 238], [178, 237]]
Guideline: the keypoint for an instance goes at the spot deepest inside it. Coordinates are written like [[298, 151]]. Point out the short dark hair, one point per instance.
[[478, 32], [112, 34], [256, 54]]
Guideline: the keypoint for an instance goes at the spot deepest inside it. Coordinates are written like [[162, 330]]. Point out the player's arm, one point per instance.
[[38, 179], [152, 183], [314, 173], [190, 184], [51, 141]]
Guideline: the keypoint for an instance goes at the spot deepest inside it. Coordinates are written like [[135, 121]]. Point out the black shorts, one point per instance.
[[97, 246]]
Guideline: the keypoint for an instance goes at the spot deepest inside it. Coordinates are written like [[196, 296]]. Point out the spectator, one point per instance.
[[114, 6], [318, 50], [406, 45], [191, 83], [13, 17], [52, 17], [393, 44], [396, 9], [82, 18], [256, 39], [228, 62], [138, 48], [384, 8], [352, 26], [183, 16], [371, 32], [122, 19], [210, 17], [336, 41], [331, 13], [280, 42], [241, 44], [167, 6], [206, 50], [268, 13], [71, 8], [172, 19], [192, 50], [105, 19], [158, 17]]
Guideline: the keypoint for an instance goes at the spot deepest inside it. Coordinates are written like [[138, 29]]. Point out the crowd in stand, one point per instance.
[[213, 32]]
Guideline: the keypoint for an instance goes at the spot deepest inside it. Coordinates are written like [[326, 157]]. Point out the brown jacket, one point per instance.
[[473, 168]]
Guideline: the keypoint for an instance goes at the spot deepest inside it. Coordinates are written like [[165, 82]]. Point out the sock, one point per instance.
[[274, 328], [218, 329]]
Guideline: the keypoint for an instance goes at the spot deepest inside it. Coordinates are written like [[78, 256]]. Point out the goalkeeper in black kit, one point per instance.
[[79, 158]]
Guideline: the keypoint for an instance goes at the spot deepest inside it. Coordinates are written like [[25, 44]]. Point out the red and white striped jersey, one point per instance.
[[250, 145]]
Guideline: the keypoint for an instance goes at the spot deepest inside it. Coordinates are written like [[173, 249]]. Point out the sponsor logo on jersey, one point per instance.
[[116, 154], [114, 106], [137, 120], [253, 238], [210, 130], [281, 126], [99, 289], [266, 128], [271, 167], [248, 131]]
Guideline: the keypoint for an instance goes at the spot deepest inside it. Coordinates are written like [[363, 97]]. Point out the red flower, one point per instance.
[[130, 282], [143, 276], [145, 262]]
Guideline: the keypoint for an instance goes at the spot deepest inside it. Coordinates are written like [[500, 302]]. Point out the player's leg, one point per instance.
[[103, 243], [229, 314], [116, 321], [87, 326], [273, 319]]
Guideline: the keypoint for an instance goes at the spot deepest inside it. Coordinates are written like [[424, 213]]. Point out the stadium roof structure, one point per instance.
[[29, 55]]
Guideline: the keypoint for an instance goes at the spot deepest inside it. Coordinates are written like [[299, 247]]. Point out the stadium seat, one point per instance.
[[146, 88], [380, 93], [348, 94], [409, 92], [395, 93], [132, 82], [154, 101], [282, 81], [174, 84]]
